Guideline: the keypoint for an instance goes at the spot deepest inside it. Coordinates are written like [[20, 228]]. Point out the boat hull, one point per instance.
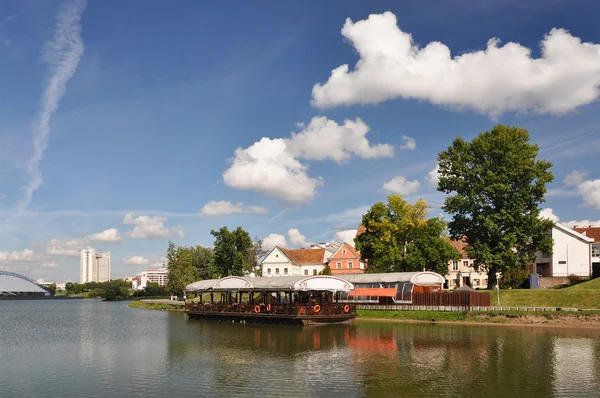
[[298, 320]]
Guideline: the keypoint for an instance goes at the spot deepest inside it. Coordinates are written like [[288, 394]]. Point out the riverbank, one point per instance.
[[164, 306], [569, 319]]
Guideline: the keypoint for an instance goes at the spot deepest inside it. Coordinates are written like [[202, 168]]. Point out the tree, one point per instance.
[[203, 260], [232, 251], [399, 238], [109, 294], [255, 256], [497, 185], [326, 270], [180, 263]]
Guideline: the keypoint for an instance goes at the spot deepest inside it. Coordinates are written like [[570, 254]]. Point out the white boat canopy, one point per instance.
[[279, 283], [424, 278]]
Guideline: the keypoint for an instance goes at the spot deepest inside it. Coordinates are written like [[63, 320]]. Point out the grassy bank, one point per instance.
[[559, 319], [156, 306]]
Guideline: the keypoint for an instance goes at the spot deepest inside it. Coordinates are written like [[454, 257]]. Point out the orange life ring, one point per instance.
[[257, 308], [346, 308], [268, 307], [316, 308]]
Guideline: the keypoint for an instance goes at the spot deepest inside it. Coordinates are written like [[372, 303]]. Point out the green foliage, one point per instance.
[[96, 293], [399, 238], [496, 185], [109, 294], [515, 278], [255, 256], [187, 265], [233, 251], [326, 270], [120, 288], [51, 288]]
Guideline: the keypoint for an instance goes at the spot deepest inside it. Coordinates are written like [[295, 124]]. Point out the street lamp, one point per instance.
[[498, 286]]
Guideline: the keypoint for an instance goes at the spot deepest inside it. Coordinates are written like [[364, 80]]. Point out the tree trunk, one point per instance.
[[491, 279]]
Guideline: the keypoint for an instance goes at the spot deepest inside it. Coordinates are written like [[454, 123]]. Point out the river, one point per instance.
[[90, 348]]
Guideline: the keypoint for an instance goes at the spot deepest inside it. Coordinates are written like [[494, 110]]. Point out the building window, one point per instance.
[[595, 251], [454, 265], [314, 272], [349, 264], [476, 282], [338, 265], [276, 271], [268, 271], [305, 272], [343, 251], [465, 263], [277, 255], [285, 271]]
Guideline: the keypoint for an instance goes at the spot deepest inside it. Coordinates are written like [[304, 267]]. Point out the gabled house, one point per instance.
[[571, 254], [594, 233], [346, 260], [461, 272], [285, 262]]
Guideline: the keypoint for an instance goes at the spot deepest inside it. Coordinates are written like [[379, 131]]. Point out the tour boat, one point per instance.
[[293, 300]]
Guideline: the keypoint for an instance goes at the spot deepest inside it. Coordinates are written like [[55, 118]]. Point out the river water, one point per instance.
[[90, 348]]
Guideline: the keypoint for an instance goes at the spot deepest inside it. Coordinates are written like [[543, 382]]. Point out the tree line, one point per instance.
[[110, 290]]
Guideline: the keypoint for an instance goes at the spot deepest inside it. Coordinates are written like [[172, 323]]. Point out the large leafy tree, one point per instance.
[[232, 251], [496, 185], [400, 238], [255, 256]]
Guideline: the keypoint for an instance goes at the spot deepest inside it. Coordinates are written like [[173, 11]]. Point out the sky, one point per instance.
[[128, 124]]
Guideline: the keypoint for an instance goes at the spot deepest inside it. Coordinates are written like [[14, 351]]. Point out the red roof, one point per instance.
[[305, 256], [590, 232]]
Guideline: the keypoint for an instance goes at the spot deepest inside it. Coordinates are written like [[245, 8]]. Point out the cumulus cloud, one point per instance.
[[146, 227], [273, 167], [433, 177], [111, 235], [408, 143], [25, 255], [401, 186], [268, 167], [62, 251], [297, 239], [136, 260], [223, 208], [325, 139], [589, 190], [575, 178], [51, 264], [273, 240], [582, 223], [548, 214], [498, 79], [345, 236], [62, 55]]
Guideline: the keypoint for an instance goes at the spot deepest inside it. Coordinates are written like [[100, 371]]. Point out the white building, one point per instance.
[[160, 276], [571, 254], [94, 266], [284, 262]]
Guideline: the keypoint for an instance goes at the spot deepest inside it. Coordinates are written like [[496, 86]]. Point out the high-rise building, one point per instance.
[[160, 276], [94, 266]]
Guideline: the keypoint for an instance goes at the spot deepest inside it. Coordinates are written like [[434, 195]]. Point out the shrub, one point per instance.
[[514, 278], [574, 278]]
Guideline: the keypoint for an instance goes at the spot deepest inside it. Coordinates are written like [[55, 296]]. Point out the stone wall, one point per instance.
[[548, 282]]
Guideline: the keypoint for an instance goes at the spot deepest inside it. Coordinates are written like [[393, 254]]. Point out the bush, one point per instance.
[[574, 278], [514, 278]]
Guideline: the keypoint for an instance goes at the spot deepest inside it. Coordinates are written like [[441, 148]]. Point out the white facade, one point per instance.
[[571, 254], [94, 266], [160, 276], [462, 272], [278, 264]]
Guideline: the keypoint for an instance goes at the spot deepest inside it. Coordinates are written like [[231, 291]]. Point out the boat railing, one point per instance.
[[296, 309]]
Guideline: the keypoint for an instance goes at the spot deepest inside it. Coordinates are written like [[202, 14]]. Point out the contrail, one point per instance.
[[61, 55]]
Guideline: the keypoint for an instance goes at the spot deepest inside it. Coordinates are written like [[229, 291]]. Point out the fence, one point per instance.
[[444, 301]]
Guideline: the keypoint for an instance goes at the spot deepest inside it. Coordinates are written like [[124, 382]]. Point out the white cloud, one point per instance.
[[62, 56], [491, 81], [61, 251], [548, 214], [111, 235], [408, 143], [401, 186], [269, 168], [324, 139], [433, 177], [345, 236], [161, 263], [147, 227], [575, 178], [136, 260], [273, 240], [590, 193], [51, 264], [297, 239], [223, 208], [582, 223], [25, 255]]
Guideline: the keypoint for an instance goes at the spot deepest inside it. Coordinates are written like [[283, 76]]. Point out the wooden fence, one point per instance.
[[453, 299]]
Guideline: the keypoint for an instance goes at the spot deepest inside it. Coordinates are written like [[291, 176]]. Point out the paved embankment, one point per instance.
[[462, 308]]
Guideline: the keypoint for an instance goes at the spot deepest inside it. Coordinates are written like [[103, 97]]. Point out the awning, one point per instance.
[[278, 283], [374, 291]]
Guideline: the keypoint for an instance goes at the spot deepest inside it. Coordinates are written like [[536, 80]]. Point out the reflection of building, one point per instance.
[[94, 266], [461, 272], [160, 276]]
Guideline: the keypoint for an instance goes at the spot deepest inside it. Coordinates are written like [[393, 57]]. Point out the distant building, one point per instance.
[[284, 262], [160, 276], [94, 266], [461, 272], [594, 233], [571, 254], [346, 260]]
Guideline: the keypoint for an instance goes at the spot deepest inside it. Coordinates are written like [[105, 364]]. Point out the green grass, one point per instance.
[[594, 284], [156, 306], [579, 296]]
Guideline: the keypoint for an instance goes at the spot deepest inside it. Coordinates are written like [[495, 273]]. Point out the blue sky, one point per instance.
[[168, 120]]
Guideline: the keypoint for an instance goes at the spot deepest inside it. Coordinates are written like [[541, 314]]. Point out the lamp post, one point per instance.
[[498, 287]]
